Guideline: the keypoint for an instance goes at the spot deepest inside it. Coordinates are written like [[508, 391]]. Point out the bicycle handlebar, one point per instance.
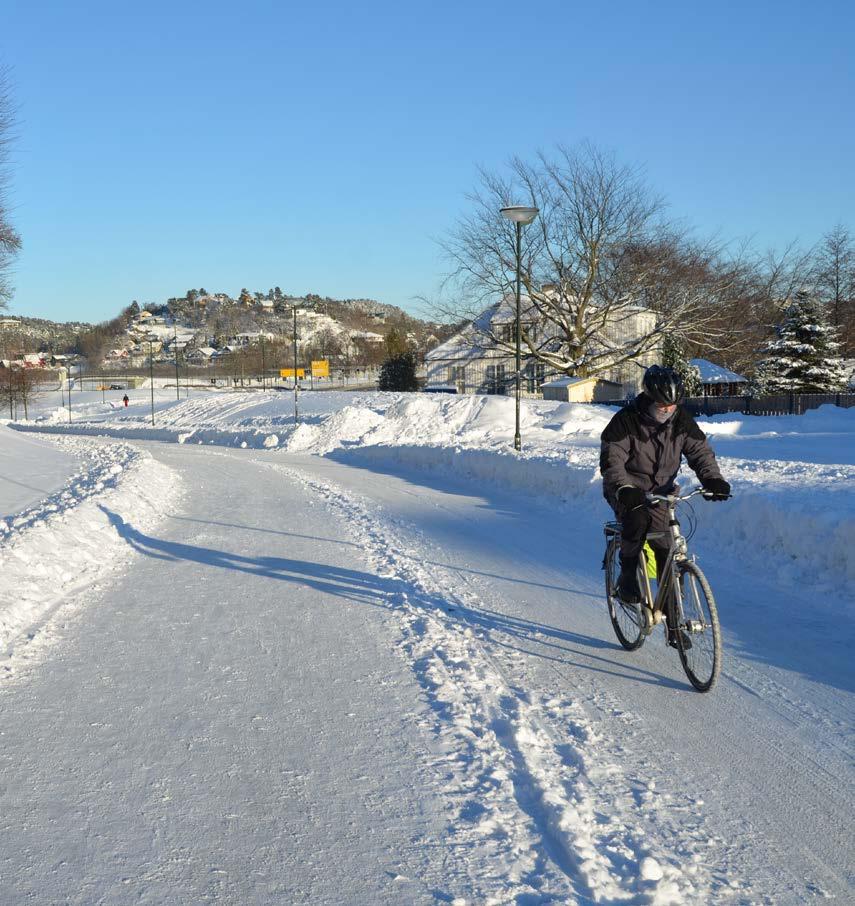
[[673, 499]]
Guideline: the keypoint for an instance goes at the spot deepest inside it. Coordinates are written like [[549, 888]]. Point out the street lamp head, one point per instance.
[[519, 213]]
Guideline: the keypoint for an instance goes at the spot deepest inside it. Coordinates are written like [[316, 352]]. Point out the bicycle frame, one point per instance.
[[678, 551]]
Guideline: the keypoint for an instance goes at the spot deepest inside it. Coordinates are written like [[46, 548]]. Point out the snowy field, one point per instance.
[[367, 659]]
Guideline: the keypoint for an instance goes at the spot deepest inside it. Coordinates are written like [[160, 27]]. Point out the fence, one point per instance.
[[773, 404]]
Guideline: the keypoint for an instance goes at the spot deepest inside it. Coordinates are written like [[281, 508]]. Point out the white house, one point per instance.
[[201, 356], [473, 363], [366, 336], [247, 339]]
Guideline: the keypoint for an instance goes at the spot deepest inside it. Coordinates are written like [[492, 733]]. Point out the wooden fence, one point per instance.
[[773, 404]]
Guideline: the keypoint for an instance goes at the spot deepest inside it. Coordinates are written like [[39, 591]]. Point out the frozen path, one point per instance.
[[321, 683], [46, 468], [754, 782], [229, 724]]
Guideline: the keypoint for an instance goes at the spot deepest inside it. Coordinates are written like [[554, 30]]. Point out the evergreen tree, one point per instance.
[[803, 358], [673, 356], [398, 372], [395, 343]]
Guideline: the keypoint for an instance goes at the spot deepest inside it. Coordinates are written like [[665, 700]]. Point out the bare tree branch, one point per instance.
[[10, 241]]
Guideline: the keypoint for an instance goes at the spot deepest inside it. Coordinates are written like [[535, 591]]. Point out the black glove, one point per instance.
[[630, 498], [716, 489]]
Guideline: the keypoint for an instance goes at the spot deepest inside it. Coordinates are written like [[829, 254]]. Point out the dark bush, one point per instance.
[[398, 372]]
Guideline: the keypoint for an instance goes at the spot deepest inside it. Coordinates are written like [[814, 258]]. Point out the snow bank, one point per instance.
[[792, 475], [67, 541]]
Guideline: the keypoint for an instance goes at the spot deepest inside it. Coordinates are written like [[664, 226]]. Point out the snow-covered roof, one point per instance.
[[717, 374], [473, 340]]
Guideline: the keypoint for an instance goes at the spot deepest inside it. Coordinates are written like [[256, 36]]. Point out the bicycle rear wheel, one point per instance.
[[701, 661], [627, 619]]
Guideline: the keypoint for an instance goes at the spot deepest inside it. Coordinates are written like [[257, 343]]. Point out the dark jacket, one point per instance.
[[637, 451]]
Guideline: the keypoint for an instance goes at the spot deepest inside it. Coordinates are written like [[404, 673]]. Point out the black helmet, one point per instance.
[[663, 385]]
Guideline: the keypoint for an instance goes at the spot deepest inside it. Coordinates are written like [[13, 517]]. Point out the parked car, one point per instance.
[[117, 386]]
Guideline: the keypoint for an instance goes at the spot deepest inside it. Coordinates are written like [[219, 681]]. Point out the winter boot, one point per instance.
[[627, 585]]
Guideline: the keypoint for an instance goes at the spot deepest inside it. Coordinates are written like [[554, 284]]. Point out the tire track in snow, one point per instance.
[[529, 787]]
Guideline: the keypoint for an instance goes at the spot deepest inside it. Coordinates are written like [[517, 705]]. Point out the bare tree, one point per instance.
[[835, 281], [10, 241], [28, 383], [605, 277], [19, 386], [753, 290]]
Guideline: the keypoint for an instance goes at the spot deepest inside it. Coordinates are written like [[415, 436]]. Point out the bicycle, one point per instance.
[[683, 598]]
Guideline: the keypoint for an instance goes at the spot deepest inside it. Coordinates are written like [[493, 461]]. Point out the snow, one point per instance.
[[792, 475], [365, 659], [710, 373]]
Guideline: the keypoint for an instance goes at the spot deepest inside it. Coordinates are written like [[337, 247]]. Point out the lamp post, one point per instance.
[[151, 377], [295, 366], [520, 216], [175, 356]]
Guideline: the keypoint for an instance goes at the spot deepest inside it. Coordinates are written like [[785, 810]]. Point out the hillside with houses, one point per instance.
[[215, 330]]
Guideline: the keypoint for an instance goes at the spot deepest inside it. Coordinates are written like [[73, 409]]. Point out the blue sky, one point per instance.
[[323, 147]]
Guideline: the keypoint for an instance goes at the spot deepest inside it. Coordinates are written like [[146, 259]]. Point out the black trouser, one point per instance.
[[636, 523]]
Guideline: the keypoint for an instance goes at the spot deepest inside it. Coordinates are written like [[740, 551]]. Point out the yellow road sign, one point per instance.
[[321, 368], [289, 372]]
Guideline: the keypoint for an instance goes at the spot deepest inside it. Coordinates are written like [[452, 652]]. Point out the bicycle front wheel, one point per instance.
[[702, 658], [627, 619]]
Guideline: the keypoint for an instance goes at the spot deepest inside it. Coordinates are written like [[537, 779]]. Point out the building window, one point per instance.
[[495, 379], [534, 374]]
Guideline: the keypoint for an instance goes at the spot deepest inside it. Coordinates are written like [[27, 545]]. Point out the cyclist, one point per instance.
[[641, 451]]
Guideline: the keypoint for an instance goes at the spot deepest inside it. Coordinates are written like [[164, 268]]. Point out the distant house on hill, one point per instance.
[[201, 356], [250, 338], [366, 336], [716, 380]]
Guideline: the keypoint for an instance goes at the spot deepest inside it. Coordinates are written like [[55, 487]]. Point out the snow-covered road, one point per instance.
[[228, 723], [317, 682]]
